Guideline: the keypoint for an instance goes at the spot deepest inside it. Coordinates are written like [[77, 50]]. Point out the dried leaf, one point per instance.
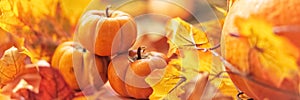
[[11, 63], [42, 82], [223, 83], [184, 39], [52, 85], [189, 43], [25, 80], [182, 33], [163, 85]]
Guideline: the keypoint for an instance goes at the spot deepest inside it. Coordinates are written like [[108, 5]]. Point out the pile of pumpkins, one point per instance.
[[103, 46], [108, 37]]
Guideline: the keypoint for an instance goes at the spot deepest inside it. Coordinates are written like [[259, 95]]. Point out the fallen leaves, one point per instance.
[[43, 23], [183, 41], [42, 82], [24, 80], [181, 76], [180, 70], [53, 85]]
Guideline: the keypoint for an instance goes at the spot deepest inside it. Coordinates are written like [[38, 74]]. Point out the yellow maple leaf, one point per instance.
[[183, 40], [187, 39], [189, 43], [274, 63], [182, 33], [223, 83], [162, 86]]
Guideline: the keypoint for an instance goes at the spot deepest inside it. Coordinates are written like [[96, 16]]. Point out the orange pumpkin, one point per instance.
[[127, 77], [106, 33], [70, 59], [283, 15]]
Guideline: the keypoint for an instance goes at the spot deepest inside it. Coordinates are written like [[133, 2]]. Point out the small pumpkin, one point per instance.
[[127, 77], [75, 63], [106, 33]]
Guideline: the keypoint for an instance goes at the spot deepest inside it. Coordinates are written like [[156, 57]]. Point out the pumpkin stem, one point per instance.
[[107, 8], [139, 52]]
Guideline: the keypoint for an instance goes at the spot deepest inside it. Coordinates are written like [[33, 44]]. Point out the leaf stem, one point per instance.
[[182, 79], [205, 49], [212, 48]]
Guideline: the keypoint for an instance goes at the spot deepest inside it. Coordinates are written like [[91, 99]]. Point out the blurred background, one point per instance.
[[46, 23]]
